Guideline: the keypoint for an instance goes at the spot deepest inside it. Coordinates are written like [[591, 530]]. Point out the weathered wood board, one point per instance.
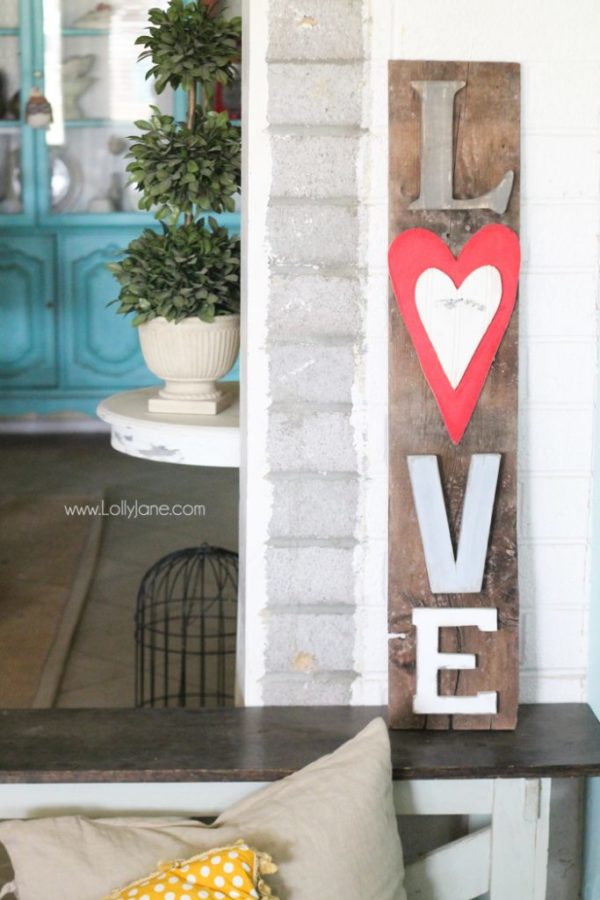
[[486, 146]]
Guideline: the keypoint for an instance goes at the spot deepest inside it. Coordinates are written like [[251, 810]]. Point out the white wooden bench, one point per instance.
[[100, 762]]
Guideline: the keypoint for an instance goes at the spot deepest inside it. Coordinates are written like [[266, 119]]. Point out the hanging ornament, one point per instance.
[[38, 112]]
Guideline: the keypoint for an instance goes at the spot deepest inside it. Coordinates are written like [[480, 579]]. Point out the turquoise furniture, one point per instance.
[[65, 209]]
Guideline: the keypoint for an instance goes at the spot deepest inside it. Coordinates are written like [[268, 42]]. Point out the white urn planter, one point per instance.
[[190, 356]]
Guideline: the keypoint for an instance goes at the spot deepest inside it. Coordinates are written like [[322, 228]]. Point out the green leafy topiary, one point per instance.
[[187, 271], [178, 168], [187, 44], [182, 170]]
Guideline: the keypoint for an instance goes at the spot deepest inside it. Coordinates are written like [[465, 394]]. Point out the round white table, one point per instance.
[[187, 440]]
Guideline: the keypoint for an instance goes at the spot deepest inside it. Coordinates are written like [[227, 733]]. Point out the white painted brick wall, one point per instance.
[[559, 236], [559, 167], [557, 304]]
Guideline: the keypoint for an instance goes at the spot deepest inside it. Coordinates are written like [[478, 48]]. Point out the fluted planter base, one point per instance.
[[190, 356], [188, 407]]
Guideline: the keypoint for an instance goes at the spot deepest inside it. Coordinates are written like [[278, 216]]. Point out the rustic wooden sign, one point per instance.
[[453, 593]]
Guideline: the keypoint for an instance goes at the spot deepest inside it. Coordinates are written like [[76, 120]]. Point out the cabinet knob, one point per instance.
[[50, 304]]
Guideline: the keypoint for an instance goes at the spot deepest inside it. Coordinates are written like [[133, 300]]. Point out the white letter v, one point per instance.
[[447, 575]]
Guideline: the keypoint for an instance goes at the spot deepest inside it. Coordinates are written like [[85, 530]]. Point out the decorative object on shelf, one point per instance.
[[98, 17], [11, 188], [5, 149], [3, 94], [13, 107], [185, 629], [117, 146], [66, 180], [38, 112], [100, 205], [75, 82], [454, 263], [183, 284], [115, 191], [112, 201]]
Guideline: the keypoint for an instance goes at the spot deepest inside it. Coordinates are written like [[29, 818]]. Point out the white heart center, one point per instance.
[[456, 318]]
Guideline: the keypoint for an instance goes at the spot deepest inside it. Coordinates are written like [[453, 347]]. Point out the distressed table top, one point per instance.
[[267, 743], [184, 439]]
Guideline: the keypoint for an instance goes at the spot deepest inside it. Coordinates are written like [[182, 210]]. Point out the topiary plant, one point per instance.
[[182, 170]]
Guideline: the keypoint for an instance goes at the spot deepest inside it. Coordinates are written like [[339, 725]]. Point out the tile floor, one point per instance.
[[99, 671]]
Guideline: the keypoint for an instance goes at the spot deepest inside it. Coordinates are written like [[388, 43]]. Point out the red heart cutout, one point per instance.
[[418, 250]]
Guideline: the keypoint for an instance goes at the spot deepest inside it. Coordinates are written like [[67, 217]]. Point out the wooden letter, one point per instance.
[[447, 575], [430, 660], [437, 162]]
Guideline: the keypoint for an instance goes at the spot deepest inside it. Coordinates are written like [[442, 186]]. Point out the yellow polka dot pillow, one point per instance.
[[224, 873]]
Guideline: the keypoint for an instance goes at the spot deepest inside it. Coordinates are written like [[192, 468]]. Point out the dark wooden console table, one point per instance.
[[196, 762], [266, 743]]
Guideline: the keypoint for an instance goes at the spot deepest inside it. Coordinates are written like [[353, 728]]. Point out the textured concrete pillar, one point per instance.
[[314, 333], [308, 550]]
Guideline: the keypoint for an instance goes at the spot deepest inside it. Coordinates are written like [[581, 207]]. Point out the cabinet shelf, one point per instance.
[[75, 123], [14, 31], [96, 123], [86, 32], [112, 123], [230, 221], [86, 123]]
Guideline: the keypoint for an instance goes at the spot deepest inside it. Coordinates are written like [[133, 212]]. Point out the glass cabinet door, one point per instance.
[[96, 89], [16, 161]]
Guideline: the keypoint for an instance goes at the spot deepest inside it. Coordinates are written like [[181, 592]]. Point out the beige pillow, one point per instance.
[[330, 828]]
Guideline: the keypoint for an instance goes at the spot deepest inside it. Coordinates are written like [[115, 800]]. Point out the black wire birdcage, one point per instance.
[[185, 629]]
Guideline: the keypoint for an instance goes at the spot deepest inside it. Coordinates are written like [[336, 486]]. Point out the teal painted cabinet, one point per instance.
[[65, 207], [96, 350], [27, 312]]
